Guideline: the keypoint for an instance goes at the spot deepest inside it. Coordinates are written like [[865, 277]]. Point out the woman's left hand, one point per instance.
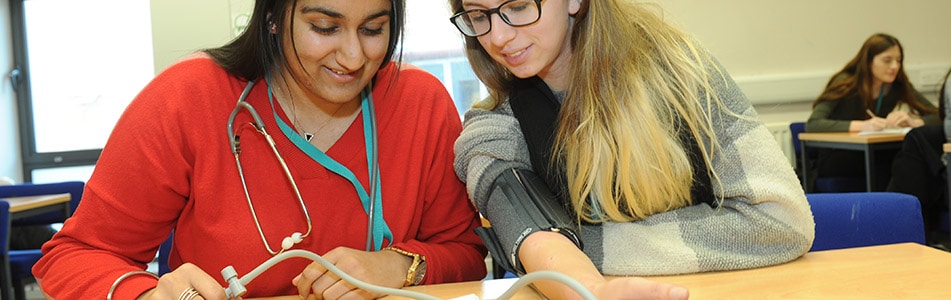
[[383, 268], [903, 119]]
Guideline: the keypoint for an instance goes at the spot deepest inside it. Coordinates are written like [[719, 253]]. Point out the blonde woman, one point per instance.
[[653, 149]]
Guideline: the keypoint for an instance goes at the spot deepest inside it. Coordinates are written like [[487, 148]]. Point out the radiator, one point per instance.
[[780, 131]]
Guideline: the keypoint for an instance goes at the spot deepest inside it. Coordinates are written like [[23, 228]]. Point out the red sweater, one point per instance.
[[168, 165]]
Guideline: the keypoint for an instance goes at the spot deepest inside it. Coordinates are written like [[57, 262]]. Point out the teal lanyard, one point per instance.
[[380, 229], [878, 104]]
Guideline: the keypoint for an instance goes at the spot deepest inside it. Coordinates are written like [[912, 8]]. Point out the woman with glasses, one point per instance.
[[642, 136], [300, 134]]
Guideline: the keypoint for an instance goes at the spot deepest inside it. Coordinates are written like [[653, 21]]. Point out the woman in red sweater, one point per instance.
[[358, 135]]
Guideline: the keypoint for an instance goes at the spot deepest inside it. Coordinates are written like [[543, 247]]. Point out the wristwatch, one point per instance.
[[417, 270]]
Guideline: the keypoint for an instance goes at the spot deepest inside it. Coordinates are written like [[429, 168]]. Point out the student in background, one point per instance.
[[326, 90], [870, 93], [919, 169], [654, 153]]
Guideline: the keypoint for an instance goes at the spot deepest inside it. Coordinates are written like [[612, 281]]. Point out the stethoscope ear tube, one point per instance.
[[258, 124]]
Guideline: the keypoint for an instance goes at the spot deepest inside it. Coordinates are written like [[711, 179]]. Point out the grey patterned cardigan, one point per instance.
[[764, 218]]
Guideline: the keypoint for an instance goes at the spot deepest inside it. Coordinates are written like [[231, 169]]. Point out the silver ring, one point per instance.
[[188, 294]]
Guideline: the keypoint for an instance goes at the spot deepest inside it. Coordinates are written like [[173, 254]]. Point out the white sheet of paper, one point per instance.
[[901, 130], [492, 289]]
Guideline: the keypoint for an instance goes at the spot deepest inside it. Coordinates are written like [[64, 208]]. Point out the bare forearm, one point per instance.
[[545, 250]]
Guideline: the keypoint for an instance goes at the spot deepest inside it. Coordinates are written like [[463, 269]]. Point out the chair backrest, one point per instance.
[[163, 253], [845, 220], [74, 188], [6, 280], [821, 184], [795, 128], [4, 228]]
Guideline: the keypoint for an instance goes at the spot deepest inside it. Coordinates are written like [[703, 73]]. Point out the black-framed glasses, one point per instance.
[[515, 13]]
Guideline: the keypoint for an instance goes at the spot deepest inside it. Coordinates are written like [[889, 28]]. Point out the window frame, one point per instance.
[[31, 160]]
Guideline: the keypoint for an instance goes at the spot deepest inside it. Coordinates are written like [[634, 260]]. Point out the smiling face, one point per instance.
[[336, 46], [541, 48], [886, 65]]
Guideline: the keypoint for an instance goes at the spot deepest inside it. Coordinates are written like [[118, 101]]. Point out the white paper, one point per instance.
[[895, 130], [492, 289]]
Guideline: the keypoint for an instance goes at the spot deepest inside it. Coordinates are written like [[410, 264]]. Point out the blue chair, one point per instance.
[[824, 184], [74, 188], [845, 220], [16, 267], [163, 252]]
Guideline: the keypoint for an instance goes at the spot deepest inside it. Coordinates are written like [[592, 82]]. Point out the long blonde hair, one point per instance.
[[636, 82]]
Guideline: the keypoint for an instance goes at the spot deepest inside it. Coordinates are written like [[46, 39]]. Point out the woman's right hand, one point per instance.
[[174, 284], [638, 288]]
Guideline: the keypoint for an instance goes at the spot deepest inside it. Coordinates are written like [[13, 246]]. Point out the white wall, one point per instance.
[[181, 27], [780, 52], [783, 52]]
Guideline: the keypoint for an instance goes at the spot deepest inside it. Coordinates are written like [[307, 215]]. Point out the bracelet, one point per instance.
[[123, 277]]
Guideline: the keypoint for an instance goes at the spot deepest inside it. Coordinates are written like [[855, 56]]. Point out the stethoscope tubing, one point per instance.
[[373, 177], [258, 125], [372, 157]]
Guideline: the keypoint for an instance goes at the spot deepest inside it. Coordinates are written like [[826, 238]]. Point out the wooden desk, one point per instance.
[[868, 144], [21, 207], [898, 271]]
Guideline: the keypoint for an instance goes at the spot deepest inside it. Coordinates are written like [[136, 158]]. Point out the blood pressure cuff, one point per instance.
[[519, 204]]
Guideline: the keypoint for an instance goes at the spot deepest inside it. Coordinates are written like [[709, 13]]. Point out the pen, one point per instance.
[[870, 113]]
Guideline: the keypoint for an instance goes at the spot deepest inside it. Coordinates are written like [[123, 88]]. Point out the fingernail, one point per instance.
[[679, 293]]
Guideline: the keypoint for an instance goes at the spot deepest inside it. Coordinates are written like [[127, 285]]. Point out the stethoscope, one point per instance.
[[376, 231]]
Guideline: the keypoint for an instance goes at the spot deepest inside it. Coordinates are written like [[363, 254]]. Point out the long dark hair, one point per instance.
[[856, 76], [256, 50]]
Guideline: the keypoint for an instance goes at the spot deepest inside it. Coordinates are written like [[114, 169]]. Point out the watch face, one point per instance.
[[420, 273]]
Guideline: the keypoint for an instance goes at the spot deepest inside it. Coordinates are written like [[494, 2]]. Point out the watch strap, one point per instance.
[[416, 271]]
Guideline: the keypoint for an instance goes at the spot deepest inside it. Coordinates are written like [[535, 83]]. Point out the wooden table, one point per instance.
[[897, 271], [21, 207], [868, 144]]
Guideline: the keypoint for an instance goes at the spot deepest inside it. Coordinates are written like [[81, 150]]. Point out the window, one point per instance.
[[79, 65], [67, 113], [433, 44]]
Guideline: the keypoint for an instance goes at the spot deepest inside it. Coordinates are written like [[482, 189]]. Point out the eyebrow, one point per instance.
[[466, 5], [338, 15]]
